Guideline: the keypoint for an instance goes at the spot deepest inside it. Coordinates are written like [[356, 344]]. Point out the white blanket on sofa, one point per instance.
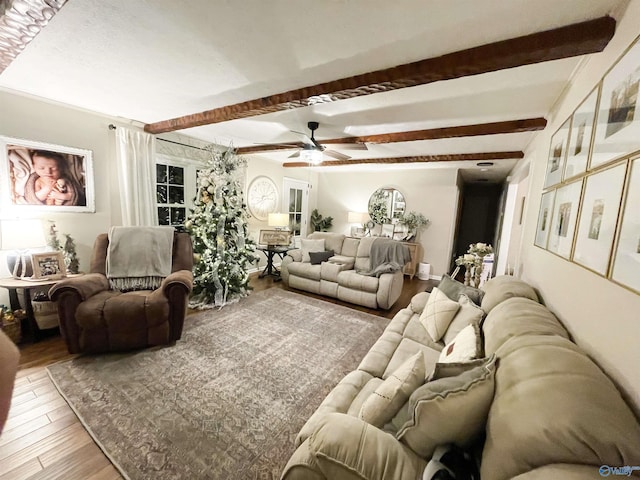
[[139, 258]]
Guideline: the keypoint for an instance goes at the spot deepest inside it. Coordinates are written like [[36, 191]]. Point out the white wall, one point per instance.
[[603, 318], [432, 192]]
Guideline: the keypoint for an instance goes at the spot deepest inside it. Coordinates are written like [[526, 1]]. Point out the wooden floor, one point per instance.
[[43, 439]]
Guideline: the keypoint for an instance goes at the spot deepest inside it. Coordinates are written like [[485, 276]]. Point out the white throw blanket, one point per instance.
[[139, 258]]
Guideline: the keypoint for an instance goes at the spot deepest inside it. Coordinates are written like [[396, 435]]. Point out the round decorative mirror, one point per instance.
[[386, 205]]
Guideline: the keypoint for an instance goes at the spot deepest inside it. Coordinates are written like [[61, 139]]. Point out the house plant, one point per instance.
[[415, 222]]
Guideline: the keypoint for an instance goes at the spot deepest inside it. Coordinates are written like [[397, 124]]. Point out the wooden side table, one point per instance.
[[270, 252], [415, 249], [30, 329]]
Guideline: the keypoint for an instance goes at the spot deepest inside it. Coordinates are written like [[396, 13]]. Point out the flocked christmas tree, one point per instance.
[[218, 228]]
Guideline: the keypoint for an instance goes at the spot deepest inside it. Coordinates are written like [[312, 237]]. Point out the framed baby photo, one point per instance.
[[48, 265], [43, 176]]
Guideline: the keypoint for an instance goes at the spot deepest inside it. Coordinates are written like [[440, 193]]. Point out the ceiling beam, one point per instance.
[[568, 41], [456, 157], [494, 128]]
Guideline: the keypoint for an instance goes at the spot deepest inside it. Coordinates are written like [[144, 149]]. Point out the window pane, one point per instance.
[[292, 200], [163, 216], [161, 173], [161, 194], [176, 175], [176, 195], [298, 200], [177, 216]]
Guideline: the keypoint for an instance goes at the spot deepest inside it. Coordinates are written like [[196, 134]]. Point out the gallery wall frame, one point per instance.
[[581, 136], [557, 155], [599, 217], [544, 219], [626, 260], [563, 224], [40, 176]]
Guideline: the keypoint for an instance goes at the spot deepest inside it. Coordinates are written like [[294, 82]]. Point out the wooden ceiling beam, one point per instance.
[[494, 128], [456, 157], [578, 39]]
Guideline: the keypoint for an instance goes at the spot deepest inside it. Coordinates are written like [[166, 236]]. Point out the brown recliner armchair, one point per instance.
[[94, 318]]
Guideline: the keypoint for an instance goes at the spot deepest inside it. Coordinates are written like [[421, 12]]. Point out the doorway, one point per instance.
[[296, 194]]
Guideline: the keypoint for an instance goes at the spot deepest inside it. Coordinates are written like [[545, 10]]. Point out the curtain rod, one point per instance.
[[113, 127]]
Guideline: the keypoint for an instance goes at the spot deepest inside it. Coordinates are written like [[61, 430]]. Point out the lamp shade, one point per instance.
[[278, 220], [357, 217], [22, 234]]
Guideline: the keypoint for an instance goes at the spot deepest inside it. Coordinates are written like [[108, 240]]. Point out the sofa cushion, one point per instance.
[[469, 313], [351, 279], [419, 301], [350, 247], [553, 405], [449, 410], [438, 313], [453, 289], [316, 258], [386, 400], [452, 369], [329, 271], [519, 316], [311, 245], [332, 241], [305, 270], [343, 260], [405, 350], [503, 287], [466, 346]]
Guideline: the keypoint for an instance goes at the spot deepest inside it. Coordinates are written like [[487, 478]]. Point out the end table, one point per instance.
[[270, 252]]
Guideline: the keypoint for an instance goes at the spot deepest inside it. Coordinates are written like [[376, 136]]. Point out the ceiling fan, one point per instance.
[[312, 150]]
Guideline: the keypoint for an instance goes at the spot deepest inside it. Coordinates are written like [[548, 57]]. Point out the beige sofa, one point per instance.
[[338, 277], [551, 412]]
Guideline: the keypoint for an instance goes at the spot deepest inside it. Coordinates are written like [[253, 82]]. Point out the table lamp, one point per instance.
[[278, 220], [357, 217], [19, 236]]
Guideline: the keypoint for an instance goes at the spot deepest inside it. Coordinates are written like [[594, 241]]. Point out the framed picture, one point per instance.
[[387, 230], [598, 218], [49, 265], [42, 176], [563, 225], [275, 237], [544, 219], [626, 261], [618, 125], [580, 138], [557, 155]]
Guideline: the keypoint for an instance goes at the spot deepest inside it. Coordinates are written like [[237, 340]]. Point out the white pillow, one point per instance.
[[309, 245], [466, 346], [383, 404], [438, 313]]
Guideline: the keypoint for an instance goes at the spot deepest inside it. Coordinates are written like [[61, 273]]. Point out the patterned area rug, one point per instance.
[[225, 402]]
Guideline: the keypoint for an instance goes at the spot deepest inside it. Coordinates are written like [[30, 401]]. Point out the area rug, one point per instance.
[[227, 400]]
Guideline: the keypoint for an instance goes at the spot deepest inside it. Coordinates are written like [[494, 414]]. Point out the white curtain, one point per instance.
[[135, 152]]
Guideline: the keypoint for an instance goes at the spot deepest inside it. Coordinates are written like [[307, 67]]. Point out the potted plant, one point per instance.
[[415, 222]]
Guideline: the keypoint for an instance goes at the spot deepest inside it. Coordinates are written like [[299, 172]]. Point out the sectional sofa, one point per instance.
[[338, 276], [526, 402]]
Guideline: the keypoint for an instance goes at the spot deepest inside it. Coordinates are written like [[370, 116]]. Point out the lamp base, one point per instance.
[[19, 265]]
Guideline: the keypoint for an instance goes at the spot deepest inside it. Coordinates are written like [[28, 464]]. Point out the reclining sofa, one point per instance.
[[531, 406], [338, 275]]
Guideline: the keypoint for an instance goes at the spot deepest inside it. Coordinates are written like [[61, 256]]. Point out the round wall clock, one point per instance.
[[262, 197]]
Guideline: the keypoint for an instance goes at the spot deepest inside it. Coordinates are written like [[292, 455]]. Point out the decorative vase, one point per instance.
[[467, 275]]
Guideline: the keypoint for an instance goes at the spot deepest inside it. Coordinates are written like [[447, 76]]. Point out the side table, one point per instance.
[[30, 329], [270, 252]]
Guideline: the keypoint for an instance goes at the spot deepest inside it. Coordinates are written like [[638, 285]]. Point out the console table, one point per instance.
[[415, 249], [270, 252]]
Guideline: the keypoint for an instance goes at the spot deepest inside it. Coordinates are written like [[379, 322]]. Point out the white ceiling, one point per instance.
[[153, 60]]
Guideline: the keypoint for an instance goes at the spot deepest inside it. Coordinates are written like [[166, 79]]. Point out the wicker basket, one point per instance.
[[11, 329], [45, 313]]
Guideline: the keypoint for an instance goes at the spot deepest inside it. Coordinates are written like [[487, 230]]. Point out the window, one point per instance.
[[175, 190]]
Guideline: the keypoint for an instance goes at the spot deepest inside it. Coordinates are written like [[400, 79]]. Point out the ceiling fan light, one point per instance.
[[313, 157]]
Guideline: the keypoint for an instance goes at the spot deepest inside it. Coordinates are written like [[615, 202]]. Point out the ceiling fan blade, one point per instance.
[[294, 154], [350, 146], [336, 155]]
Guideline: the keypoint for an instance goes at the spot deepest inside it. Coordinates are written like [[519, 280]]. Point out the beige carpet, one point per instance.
[[225, 402]]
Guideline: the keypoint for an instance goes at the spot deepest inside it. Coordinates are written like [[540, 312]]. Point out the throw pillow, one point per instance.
[[466, 346], [438, 313], [453, 369], [318, 257], [452, 289], [391, 395], [449, 410], [309, 245], [469, 312]]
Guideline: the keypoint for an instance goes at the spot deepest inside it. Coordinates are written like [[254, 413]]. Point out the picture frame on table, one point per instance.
[[387, 230], [48, 265], [598, 218], [278, 238], [618, 125], [544, 219], [40, 176], [579, 144], [563, 224], [557, 155], [626, 260]]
